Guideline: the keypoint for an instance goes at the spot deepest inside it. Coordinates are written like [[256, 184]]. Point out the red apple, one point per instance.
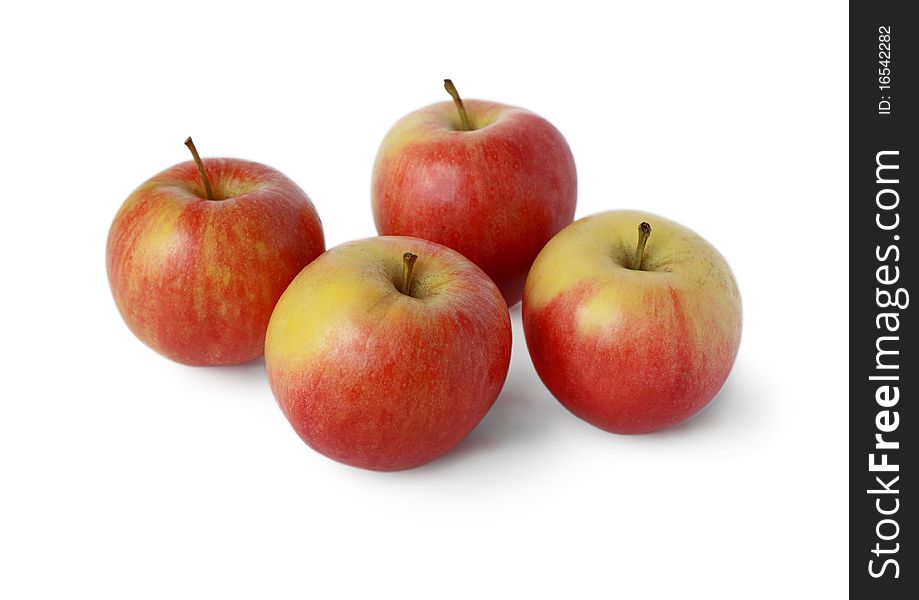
[[631, 337], [491, 181], [198, 256], [385, 363]]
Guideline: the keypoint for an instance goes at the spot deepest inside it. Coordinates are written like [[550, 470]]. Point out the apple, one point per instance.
[[631, 337], [491, 181], [199, 254], [384, 353]]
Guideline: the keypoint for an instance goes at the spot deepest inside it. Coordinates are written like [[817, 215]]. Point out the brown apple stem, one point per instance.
[[408, 269], [644, 232], [464, 118], [207, 184]]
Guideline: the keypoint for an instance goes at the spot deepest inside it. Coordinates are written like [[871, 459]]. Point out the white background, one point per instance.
[[123, 475]]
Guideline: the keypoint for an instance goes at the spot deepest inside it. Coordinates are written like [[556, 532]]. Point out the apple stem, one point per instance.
[[644, 232], [464, 118], [408, 269], [207, 184]]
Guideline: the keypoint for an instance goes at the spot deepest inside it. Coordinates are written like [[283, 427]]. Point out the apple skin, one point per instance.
[[377, 379], [631, 351], [495, 194], [197, 279]]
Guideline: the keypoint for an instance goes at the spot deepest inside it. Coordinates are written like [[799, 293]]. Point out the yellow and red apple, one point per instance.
[[632, 321], [493, 182], [199, 254], [384, 353]]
